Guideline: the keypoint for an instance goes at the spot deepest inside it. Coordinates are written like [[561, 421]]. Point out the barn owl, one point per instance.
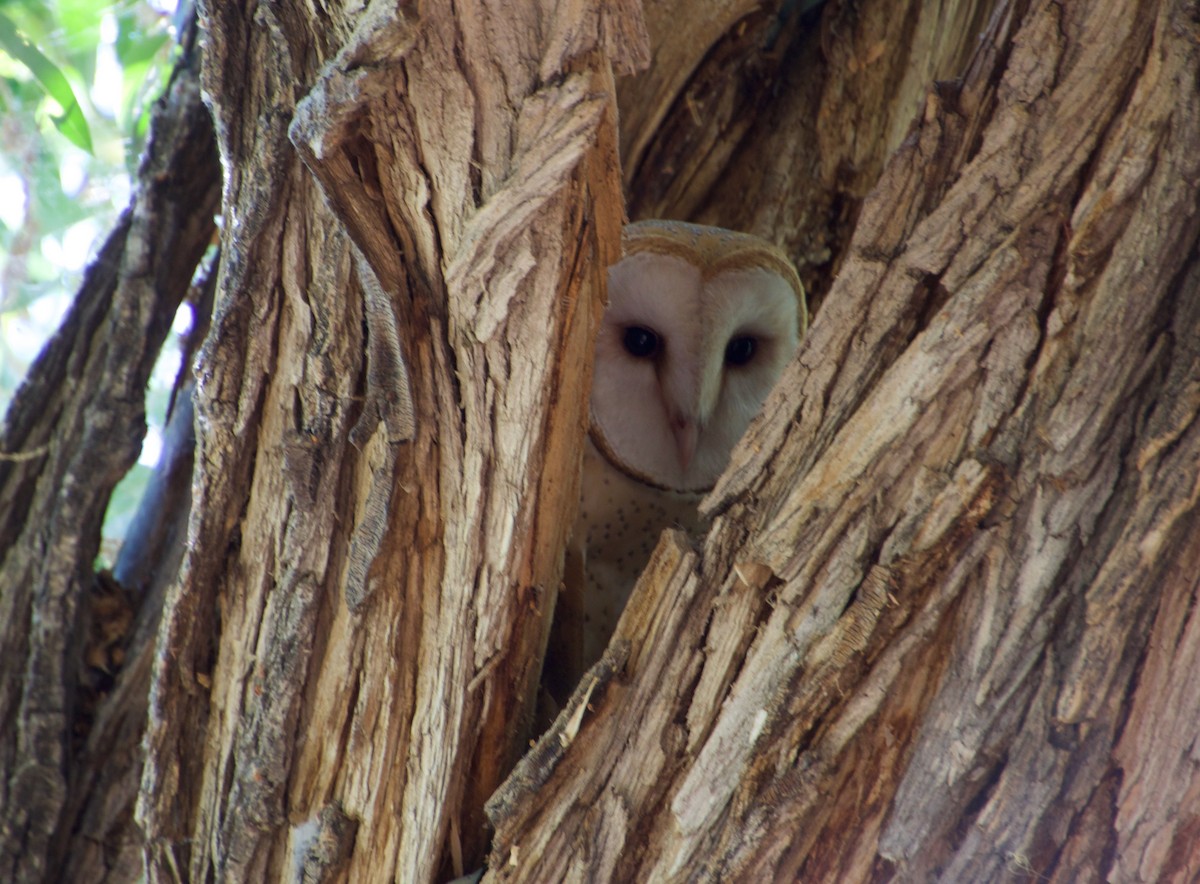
[[699, 325]]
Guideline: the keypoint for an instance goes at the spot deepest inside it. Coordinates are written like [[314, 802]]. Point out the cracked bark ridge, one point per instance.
[[71, 432], [384, 593], [969, 508]]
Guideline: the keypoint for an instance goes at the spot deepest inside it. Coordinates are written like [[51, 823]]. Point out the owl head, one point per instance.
[[699, 325]]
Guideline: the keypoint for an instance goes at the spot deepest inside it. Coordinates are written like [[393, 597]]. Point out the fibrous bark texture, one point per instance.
[[940, 627], [942, 624], [69, 741], [380, 522]]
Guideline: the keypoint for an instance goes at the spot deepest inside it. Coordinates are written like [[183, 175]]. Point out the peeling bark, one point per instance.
[[379, 643], [941, 627], [912, 641], [71, 432]]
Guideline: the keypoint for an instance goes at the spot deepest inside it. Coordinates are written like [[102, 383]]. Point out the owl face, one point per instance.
[[699, 326]]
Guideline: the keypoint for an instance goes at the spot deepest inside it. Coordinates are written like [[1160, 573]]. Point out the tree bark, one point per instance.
[[941, 626], [383, 536], [929, 634], [76, 644]]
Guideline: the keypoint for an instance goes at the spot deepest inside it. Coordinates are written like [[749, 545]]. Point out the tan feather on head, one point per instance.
[[715, 250]]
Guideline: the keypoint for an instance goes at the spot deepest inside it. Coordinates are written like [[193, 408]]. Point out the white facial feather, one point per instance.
[[671, 418]]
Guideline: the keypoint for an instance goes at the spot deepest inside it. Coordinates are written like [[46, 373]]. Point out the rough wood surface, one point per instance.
[[912, 640], [942, 625], [71, 432], [777, 118], [382, 536]]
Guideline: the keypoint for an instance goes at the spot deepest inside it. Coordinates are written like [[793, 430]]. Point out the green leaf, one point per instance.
[[135, 43], [71, 123], [74, 125]]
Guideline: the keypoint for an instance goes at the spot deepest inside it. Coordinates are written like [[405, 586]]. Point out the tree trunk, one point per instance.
[[940, 627], [380, 526], [942, 624]]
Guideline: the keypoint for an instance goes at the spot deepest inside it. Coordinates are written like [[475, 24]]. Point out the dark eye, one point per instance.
[[740, 350], [641, 342]]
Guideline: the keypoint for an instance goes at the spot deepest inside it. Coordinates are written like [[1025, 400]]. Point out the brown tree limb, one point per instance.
[[83, 407]]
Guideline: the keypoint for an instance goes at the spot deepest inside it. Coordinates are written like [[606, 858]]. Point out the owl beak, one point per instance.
[[687, 434]]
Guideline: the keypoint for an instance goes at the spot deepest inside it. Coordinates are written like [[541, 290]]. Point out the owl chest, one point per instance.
[[619, 523]]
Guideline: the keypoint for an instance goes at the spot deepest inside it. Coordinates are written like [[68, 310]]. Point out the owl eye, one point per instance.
[[641, 342], [740, 350]]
